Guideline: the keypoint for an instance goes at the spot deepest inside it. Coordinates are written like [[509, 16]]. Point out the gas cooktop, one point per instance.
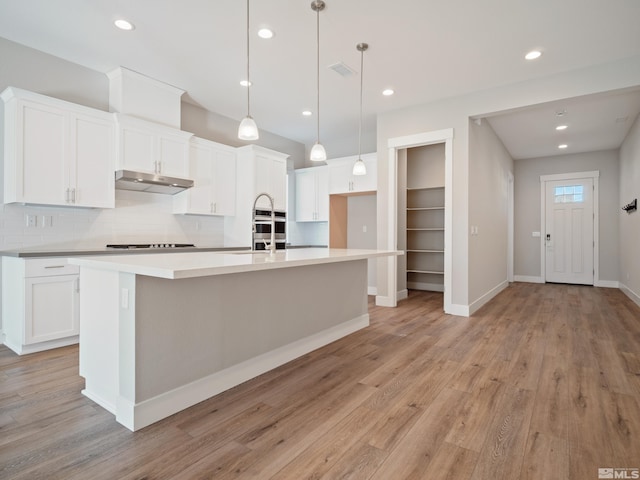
[[150, 245]]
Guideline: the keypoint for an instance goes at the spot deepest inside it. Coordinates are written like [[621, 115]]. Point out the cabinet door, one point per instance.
[[322, 194], [201, 168], [93, 149], [306, 196], [340, 178], [173, 155], [271, 177], [279, 183], [224, 184], [42, 168], [368, 182], [137, 149], [52, 308]]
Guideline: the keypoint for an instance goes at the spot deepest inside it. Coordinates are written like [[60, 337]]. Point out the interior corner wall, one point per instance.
[[630, 222], [489, 167], [528, 215], [454, 113]]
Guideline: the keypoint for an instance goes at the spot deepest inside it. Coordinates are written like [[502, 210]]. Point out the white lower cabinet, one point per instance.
[[40, 303]]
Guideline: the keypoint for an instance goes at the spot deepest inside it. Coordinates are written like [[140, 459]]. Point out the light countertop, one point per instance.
[[72, 251], [201, 264]]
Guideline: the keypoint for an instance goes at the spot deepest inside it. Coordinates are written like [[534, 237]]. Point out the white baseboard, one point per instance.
[[606, 284], [40, 347], [402, 294], [2, 338], [475, 306], [135, 416], [384, 301], [528, 279], [458, 310], [372, 290], [630, 293]]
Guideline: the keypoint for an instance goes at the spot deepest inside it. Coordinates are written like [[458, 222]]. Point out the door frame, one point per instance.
[[510, 227], [595, 176], [418, 140]]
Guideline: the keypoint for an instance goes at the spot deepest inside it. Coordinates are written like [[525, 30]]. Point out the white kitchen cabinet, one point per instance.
[[259, 170], [342, 180], [152, 148], [212, 167], [56, 152], [40, 303], [312, 194]]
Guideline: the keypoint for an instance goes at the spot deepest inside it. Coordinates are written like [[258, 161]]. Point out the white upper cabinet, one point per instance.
[[212, 167], [263, 171], [56, 152], [152, 148], [312, 194], [259, 170], [342, 180]]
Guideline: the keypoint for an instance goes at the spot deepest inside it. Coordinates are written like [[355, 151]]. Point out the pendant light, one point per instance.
[[359, 168], [318, 153], [248, 130]]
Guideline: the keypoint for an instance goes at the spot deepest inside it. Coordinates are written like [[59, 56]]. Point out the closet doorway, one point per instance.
[[420, 193]]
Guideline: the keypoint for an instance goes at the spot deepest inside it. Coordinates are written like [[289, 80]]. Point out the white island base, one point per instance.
[[151, 346]]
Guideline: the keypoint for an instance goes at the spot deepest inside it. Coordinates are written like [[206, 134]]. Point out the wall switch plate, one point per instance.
[[364, 229], [46, 221], [535, 234]]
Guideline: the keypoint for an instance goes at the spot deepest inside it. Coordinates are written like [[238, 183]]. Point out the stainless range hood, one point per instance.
[[148, 182]]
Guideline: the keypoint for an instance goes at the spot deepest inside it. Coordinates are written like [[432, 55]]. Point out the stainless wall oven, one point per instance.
[[262, 229]]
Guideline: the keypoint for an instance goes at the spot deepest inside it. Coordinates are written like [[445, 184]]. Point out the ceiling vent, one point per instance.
[[342, 69]]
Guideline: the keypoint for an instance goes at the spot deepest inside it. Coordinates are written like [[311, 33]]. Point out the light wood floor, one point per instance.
[[542, 383]]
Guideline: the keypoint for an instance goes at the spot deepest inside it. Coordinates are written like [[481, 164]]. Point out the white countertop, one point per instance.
[[202, 264]]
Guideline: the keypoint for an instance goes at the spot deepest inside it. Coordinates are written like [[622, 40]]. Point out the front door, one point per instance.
[[569, 231]]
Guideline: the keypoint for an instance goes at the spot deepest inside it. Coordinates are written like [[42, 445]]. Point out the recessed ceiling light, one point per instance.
[[563, 146], [265, 33], [388, 92], [245, 83], [533, 54], [561, 127], [306, 113], [123, 24]]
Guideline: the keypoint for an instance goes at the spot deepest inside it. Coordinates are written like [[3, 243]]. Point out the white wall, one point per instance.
[[527, 208], [630, 222], [361, 215], [468, 278], [489, 168]]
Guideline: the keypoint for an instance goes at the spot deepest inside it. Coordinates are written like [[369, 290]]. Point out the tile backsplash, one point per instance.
[[138, 218]]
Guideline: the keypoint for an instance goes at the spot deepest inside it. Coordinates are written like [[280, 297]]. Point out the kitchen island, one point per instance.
[[159, 333]]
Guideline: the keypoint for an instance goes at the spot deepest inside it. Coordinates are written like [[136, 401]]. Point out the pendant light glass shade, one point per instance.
[[318, 153], [359, 168], [248, 130]]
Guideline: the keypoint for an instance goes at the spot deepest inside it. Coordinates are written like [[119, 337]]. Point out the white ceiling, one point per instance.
[[424, 49]]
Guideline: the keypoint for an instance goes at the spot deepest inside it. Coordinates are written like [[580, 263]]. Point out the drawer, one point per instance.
[[46, 267]]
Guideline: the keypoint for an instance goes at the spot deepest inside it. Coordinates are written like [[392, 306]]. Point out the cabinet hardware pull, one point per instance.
[[54, 266]]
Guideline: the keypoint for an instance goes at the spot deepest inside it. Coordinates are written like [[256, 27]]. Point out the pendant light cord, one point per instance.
[[361, 81], [248, 78], [318, 72]]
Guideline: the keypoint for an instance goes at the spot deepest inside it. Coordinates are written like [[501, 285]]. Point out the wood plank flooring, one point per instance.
[[542, 383]]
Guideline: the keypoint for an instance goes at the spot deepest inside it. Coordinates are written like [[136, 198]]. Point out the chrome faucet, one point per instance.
[[272, 246]]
